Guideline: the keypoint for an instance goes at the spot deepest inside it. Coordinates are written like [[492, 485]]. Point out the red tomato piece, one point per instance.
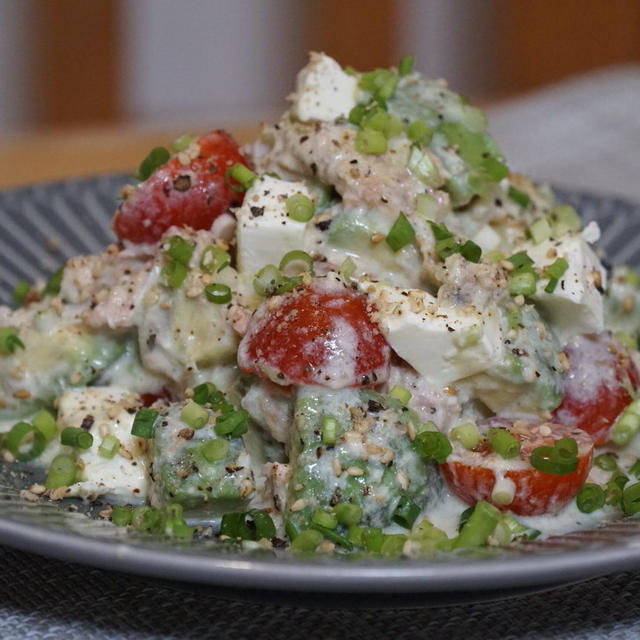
[[598, 384], [471, 475], [317, 335], [192, 194]]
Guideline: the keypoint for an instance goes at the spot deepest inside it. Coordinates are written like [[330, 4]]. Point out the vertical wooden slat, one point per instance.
[[545, 40], [76, 61], [361, 33]]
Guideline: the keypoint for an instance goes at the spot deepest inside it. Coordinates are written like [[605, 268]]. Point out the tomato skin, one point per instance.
[[318, 335], [191, 195], [472, 475], [596, 387]]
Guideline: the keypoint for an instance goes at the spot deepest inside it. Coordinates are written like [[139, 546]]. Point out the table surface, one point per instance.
[[51, 599]]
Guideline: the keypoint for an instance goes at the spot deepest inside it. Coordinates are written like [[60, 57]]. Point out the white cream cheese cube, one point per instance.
[[102, 411], [265, 232], [324, 91], [575, 306], [443, 344]]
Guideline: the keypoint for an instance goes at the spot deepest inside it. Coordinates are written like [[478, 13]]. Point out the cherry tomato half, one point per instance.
[[192, 194], [471, 475], [321, 335], [598, 384]]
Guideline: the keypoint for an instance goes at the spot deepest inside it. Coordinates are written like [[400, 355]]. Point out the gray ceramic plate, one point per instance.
[[41, 225]]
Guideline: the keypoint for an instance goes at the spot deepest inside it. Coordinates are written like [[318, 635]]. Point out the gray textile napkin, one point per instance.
[[51, 599], [582, 133]]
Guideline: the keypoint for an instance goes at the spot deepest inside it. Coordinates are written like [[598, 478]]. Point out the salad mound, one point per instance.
[[361, 332]]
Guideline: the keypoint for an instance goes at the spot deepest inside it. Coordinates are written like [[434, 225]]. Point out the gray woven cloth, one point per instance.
[[42, 598]]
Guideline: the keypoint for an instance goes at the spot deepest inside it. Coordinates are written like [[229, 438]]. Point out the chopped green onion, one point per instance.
[[218, 293], [627, 424], [121, 515], [45, 423], [267, 280], [393, 544], [348, 514], [178, 249], [264, 527], [143, 423], [514, 317], [520, 260], [559, 459], [426, 205], [329, 430], [234, 526], [20, 292], [145, 518], [423, 167], [503, 443], [61, 473], [52, 288], [606, 462], [519, 197], [154, 160], [405, 513], [17, 438], [480, 524], [9, 341], [214, 450], [371, 142], [400, 393], [333, 535], [557, 268], [563, 218], [174, 273], [347, 268], [401, 233], [551, 285], [539, 230], [181, 143], [631, 499], [240, 174], [406, 66], [194, 416], [208, 393], [357, 114], [446, 247], [420, 133], [432, 444], [109, 446], [522, 283], [300, 207], [471, 251], [590, 498], [324, 519], [372, 539], [76, 437], [214, 259], [614, 487], [635, 468], [467, 434], [306, 540], [233, 423], [354, 535], [297, 256]]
